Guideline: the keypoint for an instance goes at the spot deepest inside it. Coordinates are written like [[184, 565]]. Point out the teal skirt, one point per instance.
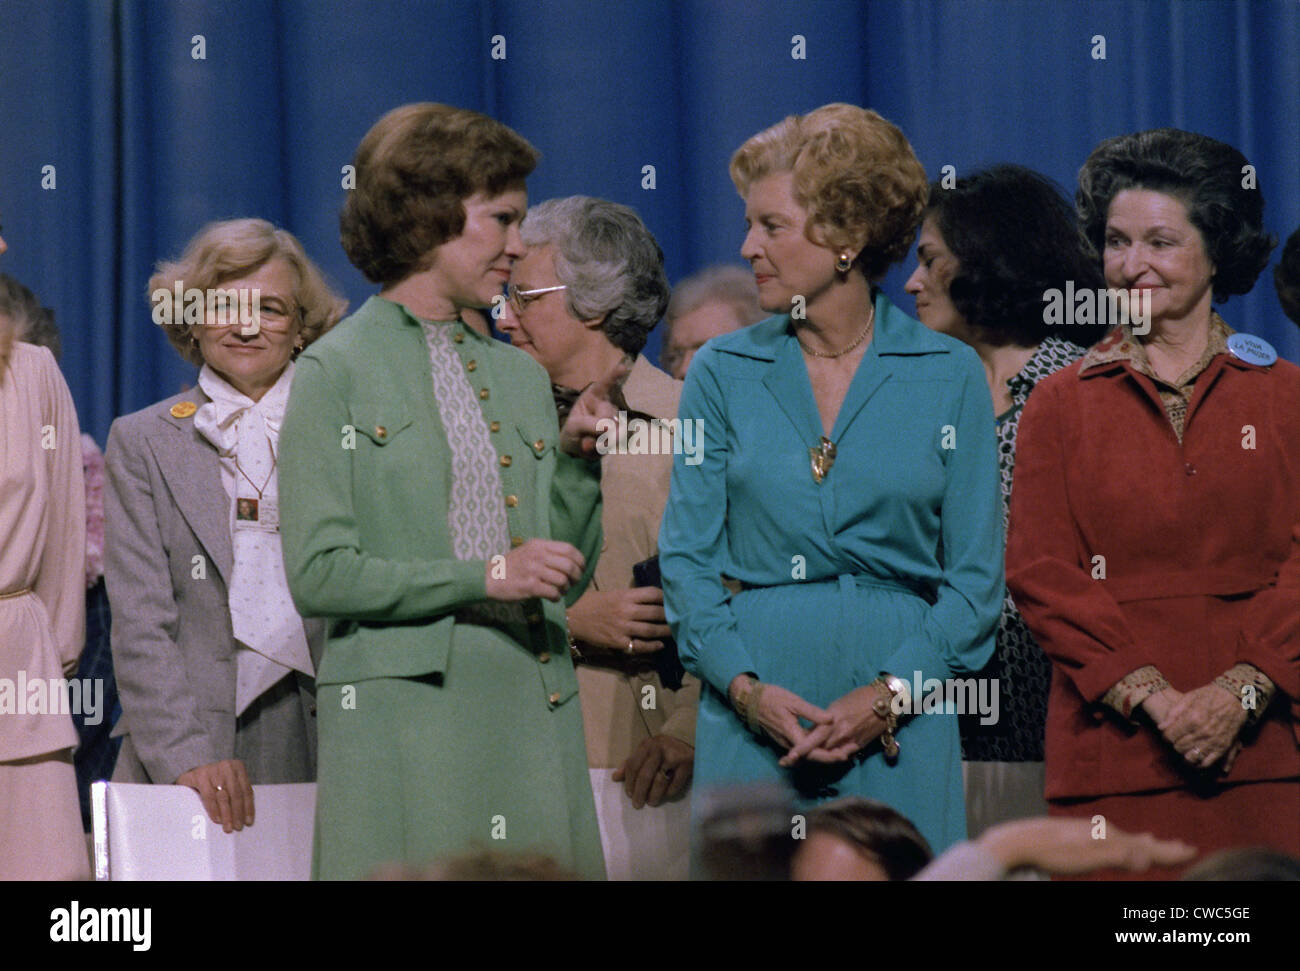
[[413, 770], [821, 640]]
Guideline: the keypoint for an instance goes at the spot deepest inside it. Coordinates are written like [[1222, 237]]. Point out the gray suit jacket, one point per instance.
[[167, 561]]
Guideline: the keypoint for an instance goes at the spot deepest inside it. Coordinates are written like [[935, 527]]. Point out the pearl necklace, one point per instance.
[[840, 353]]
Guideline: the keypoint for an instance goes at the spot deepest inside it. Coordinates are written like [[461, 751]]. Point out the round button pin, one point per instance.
[[1252, 349]]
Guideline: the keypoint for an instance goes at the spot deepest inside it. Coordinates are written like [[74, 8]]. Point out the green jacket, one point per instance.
[[365, 480]]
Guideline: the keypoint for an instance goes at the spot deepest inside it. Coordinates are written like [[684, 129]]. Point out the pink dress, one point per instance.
[[42, 617]]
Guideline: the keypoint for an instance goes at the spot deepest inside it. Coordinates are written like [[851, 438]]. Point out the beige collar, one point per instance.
[[651, 391]]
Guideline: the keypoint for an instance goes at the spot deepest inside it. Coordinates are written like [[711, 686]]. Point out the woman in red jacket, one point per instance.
[[1154, 544]]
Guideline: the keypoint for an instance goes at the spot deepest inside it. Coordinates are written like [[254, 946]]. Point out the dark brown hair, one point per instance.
[[1206, 175], [413, 169], [876, 831]]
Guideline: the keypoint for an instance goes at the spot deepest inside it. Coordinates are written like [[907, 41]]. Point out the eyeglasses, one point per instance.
[[520, 299], [270, 315]]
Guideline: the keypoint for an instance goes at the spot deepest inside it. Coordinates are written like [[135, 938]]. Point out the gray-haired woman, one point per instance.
[[707, 304], [588, 292]]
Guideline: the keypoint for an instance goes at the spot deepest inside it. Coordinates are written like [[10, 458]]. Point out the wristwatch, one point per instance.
[[897, 686]]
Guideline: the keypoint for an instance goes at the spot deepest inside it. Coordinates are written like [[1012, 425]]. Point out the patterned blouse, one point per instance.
[[1022, 670]]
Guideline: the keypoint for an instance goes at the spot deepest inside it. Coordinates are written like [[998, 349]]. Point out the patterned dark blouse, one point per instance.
[[1022, 670]]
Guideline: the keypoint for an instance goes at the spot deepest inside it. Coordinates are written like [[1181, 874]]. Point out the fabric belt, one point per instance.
[[1198, 583], [850, 581], [614, 660]]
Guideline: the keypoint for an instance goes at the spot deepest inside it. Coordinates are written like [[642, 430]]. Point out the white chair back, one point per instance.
[[148, 832]]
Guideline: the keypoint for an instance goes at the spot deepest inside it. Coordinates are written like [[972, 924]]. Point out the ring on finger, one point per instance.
[[221, 788], [631, 647]]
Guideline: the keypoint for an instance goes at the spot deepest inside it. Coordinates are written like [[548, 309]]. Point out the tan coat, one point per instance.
[[635, 491]]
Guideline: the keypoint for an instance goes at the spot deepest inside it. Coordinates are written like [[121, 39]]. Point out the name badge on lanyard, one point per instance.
[[261, 514]]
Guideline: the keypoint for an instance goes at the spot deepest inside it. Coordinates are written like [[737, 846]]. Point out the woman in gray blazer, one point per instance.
[[214, 666]]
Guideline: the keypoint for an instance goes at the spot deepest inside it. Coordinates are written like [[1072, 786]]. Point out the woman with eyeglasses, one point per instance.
[[440, 516], [214, 665]]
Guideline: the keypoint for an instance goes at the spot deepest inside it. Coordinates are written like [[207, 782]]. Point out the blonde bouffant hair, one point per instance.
[[854, 172], [224, 251]]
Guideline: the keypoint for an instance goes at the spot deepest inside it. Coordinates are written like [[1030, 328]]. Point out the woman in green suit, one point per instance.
[[436, 515], [849, 481]]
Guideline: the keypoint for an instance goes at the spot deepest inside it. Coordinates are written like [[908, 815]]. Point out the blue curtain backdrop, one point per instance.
[[149, 143]]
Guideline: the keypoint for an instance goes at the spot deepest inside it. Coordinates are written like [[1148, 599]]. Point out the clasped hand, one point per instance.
[[1202, 725], [839, 731]]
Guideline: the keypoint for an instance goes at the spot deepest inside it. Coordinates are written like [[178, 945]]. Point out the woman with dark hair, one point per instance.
[[440, 514], [1154, 547], [993, 250], [847, 479]]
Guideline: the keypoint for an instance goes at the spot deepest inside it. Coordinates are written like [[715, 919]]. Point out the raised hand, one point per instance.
[[579, 435]]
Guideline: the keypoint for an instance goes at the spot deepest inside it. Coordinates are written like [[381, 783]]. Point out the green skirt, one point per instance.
[[413, 770]]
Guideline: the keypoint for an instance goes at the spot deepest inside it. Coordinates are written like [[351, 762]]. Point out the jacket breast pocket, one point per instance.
[[538, 445], [379, 421]]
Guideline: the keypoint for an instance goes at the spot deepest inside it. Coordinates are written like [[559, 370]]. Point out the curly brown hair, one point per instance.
[[413, 169], [854, 172]]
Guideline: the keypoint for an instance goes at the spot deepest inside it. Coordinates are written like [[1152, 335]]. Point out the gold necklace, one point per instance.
[[840, 353]]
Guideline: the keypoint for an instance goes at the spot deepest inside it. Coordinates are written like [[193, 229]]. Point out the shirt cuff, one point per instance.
[[1251, 686], [1128, 693]]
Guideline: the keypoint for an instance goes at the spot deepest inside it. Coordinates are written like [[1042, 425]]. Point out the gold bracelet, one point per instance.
[[884, 709], [575, 655], [743, 696], [751, 707]]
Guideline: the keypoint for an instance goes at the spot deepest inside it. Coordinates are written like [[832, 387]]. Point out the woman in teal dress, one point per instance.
[[849, 482], [435, 513]]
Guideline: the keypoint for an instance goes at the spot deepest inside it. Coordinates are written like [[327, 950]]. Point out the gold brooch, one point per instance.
[[183, 409], [823, 457]]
